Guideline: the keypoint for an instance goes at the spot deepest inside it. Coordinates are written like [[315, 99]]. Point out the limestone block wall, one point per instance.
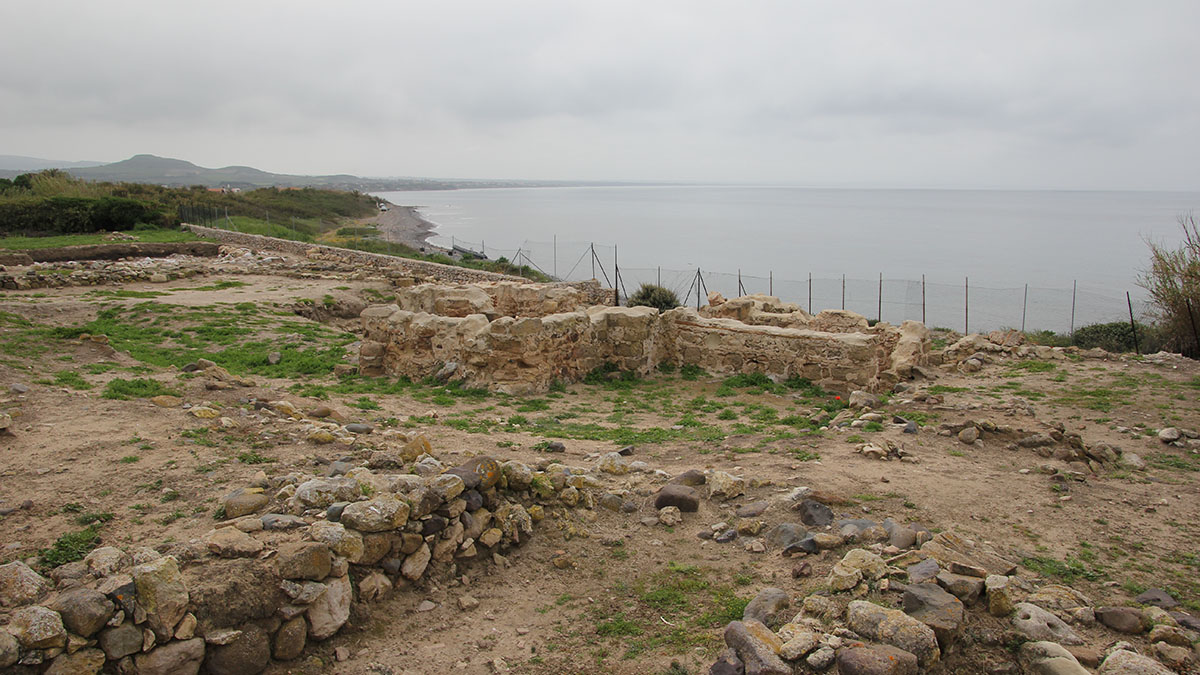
[[282, 571], [525, 355], [496, 299]]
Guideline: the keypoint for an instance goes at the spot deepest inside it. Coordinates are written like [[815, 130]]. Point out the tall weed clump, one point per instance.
[[1173, 282]]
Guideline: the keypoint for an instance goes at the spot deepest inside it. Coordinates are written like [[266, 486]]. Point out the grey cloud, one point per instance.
[[1027, 94]]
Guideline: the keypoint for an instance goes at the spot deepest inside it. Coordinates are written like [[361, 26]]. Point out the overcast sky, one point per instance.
[[1089, 94]]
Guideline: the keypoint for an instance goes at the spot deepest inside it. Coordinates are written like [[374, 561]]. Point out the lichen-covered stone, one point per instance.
[[894, 627]]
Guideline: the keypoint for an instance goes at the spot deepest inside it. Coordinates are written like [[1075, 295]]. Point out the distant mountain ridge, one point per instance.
[[178, 172], [22, 163]]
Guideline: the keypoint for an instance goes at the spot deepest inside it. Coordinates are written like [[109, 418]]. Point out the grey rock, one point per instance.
[[10, 649], [876, 660], [83, 662], [121, 641], [1049, 658], [766, 605], [1039, 625], [814, 513], [691, 478], [248, 654], [1124, 662], [359, 428], [161, 594], [1169, 434], [84, 611], [752, 509], [726, 536], [683, 497], [283, 521], [965, 588], [969, 435], [334, 513], [329, 612], [935, 608], [727, 663], [895, 628], [1157, 597], [290, 639], [749, 640], [924, 571], [20, 585], [1124, 619], [174, 658], [37, 627], [241, 502], [821, 659], [784, 535]]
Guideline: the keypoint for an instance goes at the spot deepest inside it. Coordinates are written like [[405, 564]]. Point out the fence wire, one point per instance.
[[959, 306]]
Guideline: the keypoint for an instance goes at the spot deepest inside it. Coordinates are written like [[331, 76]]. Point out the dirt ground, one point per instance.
[[638, 598]]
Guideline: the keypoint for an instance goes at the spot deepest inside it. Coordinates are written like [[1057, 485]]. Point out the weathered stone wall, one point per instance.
[[494, 299], [283, 570], [525, 355]]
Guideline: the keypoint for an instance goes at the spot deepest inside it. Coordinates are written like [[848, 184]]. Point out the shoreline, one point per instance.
[[404, 225]]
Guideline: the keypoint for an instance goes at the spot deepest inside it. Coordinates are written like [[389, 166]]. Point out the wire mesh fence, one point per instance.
[[960, 305]]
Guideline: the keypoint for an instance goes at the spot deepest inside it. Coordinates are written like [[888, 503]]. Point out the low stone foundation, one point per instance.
[[526, 355], [284, 569]]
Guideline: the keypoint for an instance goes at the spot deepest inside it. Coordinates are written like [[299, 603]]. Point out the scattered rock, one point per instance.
[[1049, 658], [876, 660], [725, 486], [1125, 662], [895, 628], [1157, 597], [669, 516], [1124, 619], [757, 647], [935, 608], [766, 605], [20, 585], [37, 627], [682, 497], [230, 542], [1039, 625], [814, 513]]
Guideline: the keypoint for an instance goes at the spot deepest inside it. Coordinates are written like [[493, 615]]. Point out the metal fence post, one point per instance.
[[1074, 285], [966, 305], [1024, 307]]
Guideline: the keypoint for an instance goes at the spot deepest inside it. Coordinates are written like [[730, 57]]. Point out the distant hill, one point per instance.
[[21, 164], [178, 172], [167, 171]]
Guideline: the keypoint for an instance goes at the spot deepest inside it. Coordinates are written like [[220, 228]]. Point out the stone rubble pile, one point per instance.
[[285, 567], [903, 607]]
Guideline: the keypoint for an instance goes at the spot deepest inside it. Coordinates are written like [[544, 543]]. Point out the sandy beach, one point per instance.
[[403, 225]]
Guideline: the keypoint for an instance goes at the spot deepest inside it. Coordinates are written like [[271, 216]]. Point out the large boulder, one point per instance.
[[37, 627], [1049, 658], [161, 595], [894, 627], [330, 611], [174, 658], [84, 611], [757, 647], [19, 585], [376, 515], [876, 660], [682, 497], [1039, 625], [1125, 662], [247, 654], [766, 605], [935, 608]]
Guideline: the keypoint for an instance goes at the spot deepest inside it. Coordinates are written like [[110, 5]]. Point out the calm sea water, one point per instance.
[[1001, 240]]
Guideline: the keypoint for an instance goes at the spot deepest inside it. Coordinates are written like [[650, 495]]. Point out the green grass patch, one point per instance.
[[71, 547], [139, 387], [155, 236]]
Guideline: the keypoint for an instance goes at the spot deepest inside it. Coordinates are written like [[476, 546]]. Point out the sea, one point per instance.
[[963, 259]]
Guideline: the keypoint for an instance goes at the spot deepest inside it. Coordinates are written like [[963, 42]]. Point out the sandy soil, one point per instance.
[[72, 449]]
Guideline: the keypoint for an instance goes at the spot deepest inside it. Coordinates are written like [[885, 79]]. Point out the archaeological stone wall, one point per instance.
[[495, 299], [284, 568], [527, 354]]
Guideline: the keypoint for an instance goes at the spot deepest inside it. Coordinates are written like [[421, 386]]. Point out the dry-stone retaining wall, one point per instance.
[[284, 568], [525, 355]]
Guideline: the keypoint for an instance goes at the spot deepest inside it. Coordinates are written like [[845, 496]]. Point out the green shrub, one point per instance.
[[652, 295], [1118, 337]]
